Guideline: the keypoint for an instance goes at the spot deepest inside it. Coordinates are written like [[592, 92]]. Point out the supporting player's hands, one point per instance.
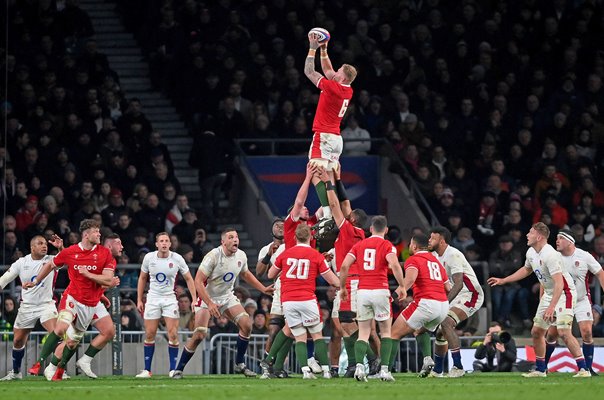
[[213, 309], [323, 174], [550, 314], [343, 294], [269, 290], [106, 302], [56, 241], [311, 169], [328, 256], [496, 281], [402, 294], [336, 171]]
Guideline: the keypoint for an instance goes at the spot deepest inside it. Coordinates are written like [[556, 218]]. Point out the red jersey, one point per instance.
[[289, 230], [431, 277], [300, 266], [333, 102], [370, 255], [95, 260], [349, 235]]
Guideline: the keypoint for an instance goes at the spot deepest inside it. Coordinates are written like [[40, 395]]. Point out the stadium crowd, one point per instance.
[[495, 108]]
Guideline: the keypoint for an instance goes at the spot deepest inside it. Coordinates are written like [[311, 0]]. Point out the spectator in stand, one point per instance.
[[503, 262], [140, 246], [186, 228], [259, 323], [598, 249], [151, 216], [27, 214], [463, 239], [557, 213], [201, 245], [174, 216], [186, 316], [354, 132], [115, 208], [547, 180]]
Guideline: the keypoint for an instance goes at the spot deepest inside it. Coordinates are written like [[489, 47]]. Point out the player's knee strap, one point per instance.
[[451, 314], [347, 316], [173, 343], [279, 320], [298, 330], [65, 316], [316, 328], [74, 334], [441, 342], [239, 316], [201, 329]]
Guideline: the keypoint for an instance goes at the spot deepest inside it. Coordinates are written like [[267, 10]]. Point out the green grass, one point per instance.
[[490, 386]]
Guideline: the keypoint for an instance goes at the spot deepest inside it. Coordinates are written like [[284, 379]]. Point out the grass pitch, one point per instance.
[[492, 386]]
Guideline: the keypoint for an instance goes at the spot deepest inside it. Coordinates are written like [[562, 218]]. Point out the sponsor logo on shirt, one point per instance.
[[88, 267]]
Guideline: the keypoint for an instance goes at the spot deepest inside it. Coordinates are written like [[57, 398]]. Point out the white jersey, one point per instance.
[[162, 273], [545, 264], [27, 269], [579, 265], [222, 271], [455, 263], [264, 251]]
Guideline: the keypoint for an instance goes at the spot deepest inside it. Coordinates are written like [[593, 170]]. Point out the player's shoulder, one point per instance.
[[240, 254], [177, 257]]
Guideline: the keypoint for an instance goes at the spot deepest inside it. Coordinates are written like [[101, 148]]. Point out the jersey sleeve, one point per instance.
[[410, 263], [244, 267], [592, 264], [10, 274], [263, 252], [61, 257], [183, 268], [146, 262], [554, 264], [323, 266], [279, 262], [354, 250], [456, 264], [209, 263], [325, 84]]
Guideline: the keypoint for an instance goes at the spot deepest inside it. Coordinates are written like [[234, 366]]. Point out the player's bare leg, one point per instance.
[[449, 339], [52, 340], [575, 349], [373, 351], [202, 319], [73, 338], [151, 326], [106, 333], [335, 346], [551, 342], [242, 319], [538, 336]]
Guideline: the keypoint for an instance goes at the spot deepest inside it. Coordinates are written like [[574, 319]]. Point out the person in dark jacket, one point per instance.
[[497, 345]]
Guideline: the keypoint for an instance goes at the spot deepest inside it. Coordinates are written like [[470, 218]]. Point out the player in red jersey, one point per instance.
[[102, 322], [301, 265], [374, 256], [91, 269], [298, 214], [350, 224], [334, 99], [430, 284]]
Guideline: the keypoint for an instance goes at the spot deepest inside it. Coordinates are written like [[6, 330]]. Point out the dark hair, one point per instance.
[[442, 231], [421, 241], [379, 223], [360, 217]]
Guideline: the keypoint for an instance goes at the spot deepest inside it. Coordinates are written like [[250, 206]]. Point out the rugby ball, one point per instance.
[[323, 34]]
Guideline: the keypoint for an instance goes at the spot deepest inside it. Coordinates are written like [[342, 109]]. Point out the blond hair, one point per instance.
[[542, 229], [303, 233], [350, 72]]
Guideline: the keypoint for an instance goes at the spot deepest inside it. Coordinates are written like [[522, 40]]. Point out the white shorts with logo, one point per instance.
[[99, 312], [427, 313], [28, 315], [326, 147], [158, 307], [277, 307], [351, 305], [564, 311], [468, 302], [373, 304], [82, 315], [583, 310], [223, 303], [305, 313]]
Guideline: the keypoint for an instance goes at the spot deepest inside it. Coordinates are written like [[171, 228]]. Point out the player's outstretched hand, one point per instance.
[[269, 290], [311, 169], [213, 309], [56, 241], [495, 281], [140, 306]]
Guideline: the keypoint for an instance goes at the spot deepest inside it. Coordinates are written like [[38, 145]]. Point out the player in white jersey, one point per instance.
[[37, 303], [580, 265], [160, 268], [266, 257], [215, 282], [465, 298], [557, 302]]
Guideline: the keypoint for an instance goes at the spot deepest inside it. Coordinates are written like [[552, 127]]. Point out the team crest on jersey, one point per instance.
[[70, 304], [77, 255], [588, 314], [577, 263], [170, 265], [238, 264], [560, 309], [175, 312], [95, 256]]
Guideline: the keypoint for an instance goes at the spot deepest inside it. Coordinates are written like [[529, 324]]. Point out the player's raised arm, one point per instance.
[[44, 271], [397, 271], [520, 274], [326, 62], [303, 192], [348, 260], [9, 275], [309, 63], [334, 202]]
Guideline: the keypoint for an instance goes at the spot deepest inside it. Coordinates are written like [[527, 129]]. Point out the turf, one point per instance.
[[490, 386]]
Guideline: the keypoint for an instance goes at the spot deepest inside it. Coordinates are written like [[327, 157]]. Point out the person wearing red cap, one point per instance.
[[27, 214]]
